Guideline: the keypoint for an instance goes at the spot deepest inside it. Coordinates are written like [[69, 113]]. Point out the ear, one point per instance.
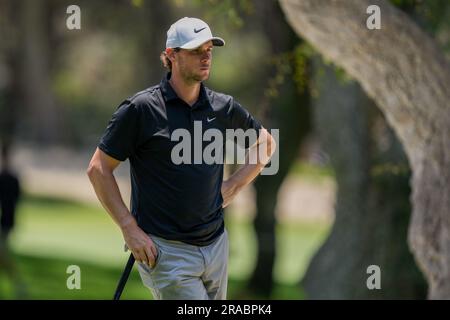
[[170, 53]]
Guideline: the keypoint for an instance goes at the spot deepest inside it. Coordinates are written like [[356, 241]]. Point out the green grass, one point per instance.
[[46, 278], [52, 234], [312, 172], [296, 242]]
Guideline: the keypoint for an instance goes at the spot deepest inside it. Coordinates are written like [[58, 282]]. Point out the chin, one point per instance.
[[202, 77], [205, 75]]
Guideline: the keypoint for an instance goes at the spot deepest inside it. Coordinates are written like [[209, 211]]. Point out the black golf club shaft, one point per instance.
[[123, 279]]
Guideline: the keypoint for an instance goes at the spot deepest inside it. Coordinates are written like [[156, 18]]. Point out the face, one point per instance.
[[193, 65]]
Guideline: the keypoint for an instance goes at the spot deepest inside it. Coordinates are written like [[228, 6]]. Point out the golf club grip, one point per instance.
[[123, 279]]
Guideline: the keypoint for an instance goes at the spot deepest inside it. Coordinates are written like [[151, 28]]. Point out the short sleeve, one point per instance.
[[240, 118], [120, 137]]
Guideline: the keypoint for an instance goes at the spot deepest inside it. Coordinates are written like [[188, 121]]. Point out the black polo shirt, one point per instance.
[[174, 201]]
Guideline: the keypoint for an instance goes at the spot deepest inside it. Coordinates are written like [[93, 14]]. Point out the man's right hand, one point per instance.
[[100, 173], [140, 244]]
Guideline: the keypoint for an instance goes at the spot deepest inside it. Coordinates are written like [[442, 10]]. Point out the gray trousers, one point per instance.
[[188, 272]]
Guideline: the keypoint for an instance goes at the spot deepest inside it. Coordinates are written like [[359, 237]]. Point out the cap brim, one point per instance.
[[219, 42]]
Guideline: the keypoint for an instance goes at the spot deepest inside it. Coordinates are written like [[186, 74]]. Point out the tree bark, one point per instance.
[[407, 75]]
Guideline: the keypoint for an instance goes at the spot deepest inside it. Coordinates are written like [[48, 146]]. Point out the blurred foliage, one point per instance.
[[390, 168], [431, 15], [232, 12], [95, 71], [95, 68], [290, 64], [313, 172]]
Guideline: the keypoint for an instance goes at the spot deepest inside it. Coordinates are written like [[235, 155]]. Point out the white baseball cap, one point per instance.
[[190, 33]]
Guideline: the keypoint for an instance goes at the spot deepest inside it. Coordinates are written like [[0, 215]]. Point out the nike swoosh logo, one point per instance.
[[197, 31], [209, 120]]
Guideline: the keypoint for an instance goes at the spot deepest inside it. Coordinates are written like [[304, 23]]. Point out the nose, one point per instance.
[[206, 56]]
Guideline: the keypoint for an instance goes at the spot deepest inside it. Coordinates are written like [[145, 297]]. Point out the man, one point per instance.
[[175, 229], [9, 197]]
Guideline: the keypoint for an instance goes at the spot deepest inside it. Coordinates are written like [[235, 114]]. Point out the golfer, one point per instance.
[[175, 227]]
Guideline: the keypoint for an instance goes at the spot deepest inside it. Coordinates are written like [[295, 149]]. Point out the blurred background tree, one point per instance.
[[285, 105], [406, 74], [372, 207]]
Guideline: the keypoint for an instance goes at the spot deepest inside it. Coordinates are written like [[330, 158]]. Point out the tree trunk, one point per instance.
[[43, 118], [405, 73], [152, 37], [287, 111], [10, 100], [341, 123], [372, 209]]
